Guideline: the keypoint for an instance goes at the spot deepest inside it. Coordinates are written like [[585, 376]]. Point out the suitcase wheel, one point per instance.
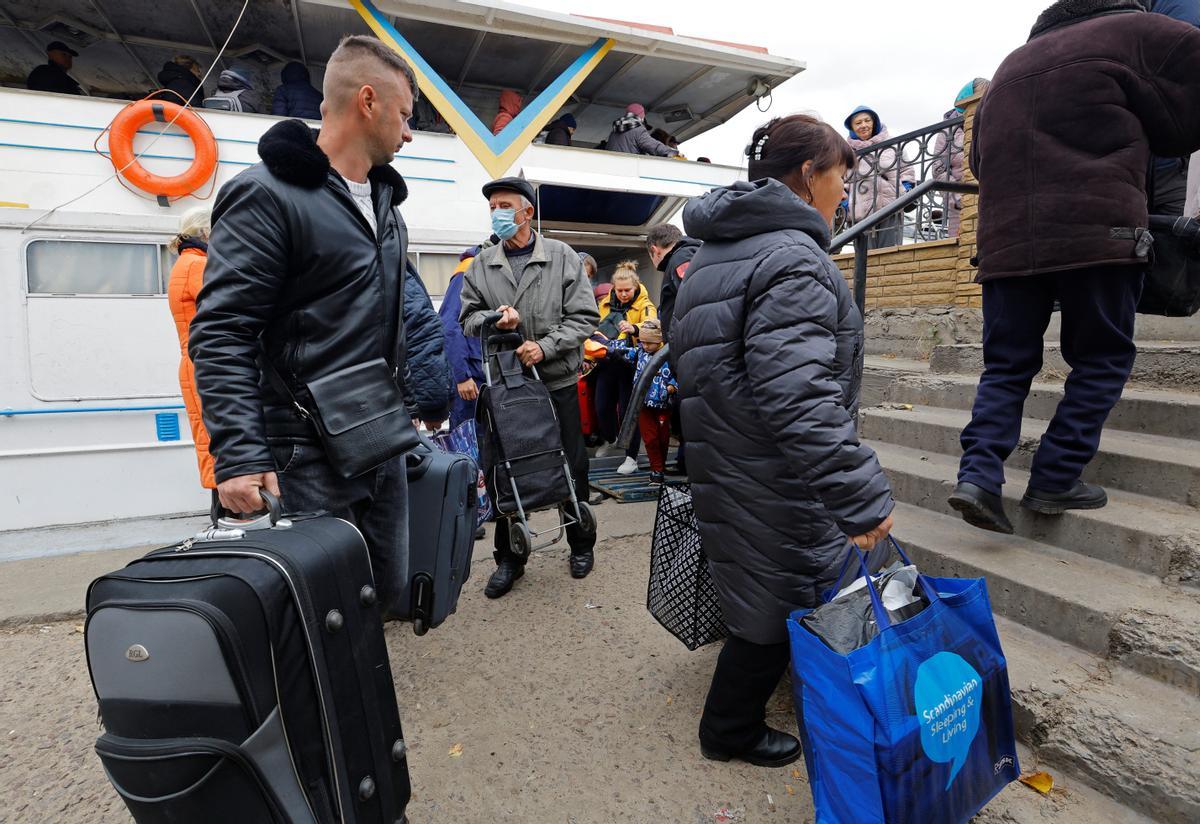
[[520, 541]]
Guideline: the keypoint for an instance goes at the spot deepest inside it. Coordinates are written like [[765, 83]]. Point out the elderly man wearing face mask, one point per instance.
[[539, 286]]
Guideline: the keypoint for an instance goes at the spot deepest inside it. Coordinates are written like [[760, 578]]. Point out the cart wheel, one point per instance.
[[587, 518], [519, 539], [419, 626]]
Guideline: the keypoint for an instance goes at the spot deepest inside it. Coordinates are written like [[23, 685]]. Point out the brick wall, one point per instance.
[[938, 273]]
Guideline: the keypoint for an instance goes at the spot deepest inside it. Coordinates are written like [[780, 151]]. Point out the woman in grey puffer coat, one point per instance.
[[769, 347]]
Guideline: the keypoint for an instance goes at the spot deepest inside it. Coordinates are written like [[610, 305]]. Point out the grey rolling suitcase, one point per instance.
[[242, 676], [441, 529]]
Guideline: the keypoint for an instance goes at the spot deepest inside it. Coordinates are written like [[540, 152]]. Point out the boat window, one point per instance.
[[72, 267], [435, 269]]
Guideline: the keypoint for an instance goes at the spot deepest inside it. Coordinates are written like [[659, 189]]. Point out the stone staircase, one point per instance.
[[1099, 611]]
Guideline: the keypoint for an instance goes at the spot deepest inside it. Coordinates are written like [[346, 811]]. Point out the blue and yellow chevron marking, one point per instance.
[[495, 152]]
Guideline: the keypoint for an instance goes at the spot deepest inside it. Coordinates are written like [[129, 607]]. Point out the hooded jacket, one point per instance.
[[296, 96], [674, 266], [294, 271], [630, 135], [187, 275], [769, 345], [877, 180], [1063, 137], [179, 85], [236, 85], [510, 107]]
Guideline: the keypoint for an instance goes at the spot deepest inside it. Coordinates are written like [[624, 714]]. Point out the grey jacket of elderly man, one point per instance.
[[554, 299]]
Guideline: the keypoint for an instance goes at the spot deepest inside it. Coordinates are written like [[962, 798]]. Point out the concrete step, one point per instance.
[[1139, 533], [880, 372], [1161, 364], [1149, 411], [1128, 617], [1164, 468], [1120, 732]]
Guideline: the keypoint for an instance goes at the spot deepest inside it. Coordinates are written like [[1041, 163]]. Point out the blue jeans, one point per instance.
[[1099, 305], [376, 503]]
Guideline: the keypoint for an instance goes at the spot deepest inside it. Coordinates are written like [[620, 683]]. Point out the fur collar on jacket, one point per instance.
[[1065, 12], [290, 152]]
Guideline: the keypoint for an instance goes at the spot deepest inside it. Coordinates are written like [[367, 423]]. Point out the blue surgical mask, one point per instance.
[[504, 223]]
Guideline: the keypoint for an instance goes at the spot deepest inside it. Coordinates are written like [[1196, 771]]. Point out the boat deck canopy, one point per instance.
[[687, 85]]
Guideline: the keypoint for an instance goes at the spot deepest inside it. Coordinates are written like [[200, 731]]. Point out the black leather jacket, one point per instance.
[[294, 271]]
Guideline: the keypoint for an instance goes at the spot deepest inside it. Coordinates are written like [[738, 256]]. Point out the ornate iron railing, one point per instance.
[[889, 169]]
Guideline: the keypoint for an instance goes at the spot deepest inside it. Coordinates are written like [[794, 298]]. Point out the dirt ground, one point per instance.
[[562, 703]]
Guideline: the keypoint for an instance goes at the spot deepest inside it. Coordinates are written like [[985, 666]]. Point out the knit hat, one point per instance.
[[650, 331], [636, 108], [568, 120]]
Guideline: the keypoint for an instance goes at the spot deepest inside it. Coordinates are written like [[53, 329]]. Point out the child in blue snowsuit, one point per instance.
[[654, 419]]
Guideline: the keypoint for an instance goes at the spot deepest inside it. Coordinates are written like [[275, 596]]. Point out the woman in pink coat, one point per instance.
[[879, 178]]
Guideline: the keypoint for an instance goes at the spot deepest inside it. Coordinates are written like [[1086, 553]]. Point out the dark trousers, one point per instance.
[[566, 406], [614, 387], [1099, 306], [745, 678], [655, 426], [376, 503]]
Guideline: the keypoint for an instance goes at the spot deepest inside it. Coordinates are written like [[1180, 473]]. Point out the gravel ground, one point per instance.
[[563, 703]]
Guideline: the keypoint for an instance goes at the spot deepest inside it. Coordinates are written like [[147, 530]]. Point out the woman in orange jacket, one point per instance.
[[187, 275]]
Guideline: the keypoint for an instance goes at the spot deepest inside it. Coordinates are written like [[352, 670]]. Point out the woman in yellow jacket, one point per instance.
[[187, 275], [621, 310]]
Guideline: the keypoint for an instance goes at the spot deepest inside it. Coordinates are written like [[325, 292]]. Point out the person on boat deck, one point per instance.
[[622, 310], [52, 76], [277, 300], [295, 96], [630, 135], [180, 81], [539, 287], [236, 92], [1062, 219], [560, 131], [187, 276], [510, 106]]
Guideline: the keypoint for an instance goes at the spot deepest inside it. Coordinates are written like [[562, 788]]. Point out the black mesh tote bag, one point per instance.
[[681, 595]]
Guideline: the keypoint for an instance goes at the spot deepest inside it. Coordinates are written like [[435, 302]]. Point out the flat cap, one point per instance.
[[511, 184]]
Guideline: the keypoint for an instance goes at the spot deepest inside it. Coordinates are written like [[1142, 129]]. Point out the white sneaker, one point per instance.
[[628, 467]]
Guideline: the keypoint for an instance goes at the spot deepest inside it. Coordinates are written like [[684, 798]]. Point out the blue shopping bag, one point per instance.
[[462, 440], [916, 726]]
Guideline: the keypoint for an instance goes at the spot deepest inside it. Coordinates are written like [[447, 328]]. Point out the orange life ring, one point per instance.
[[136, 115]]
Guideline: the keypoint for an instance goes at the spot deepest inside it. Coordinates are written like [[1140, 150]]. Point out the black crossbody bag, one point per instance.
[[359, 411]]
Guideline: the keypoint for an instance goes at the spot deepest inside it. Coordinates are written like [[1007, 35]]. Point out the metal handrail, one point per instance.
[[857, 234]]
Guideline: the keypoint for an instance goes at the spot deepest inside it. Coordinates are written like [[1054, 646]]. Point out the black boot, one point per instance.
[[980, 508], [1080, 496], [774, 749], [507, 572], [581, 563]]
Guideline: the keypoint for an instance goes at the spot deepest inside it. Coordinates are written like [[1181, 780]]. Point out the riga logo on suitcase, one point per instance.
[[242, 676]]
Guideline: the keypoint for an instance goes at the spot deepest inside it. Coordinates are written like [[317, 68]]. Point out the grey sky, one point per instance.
[[905, 58]]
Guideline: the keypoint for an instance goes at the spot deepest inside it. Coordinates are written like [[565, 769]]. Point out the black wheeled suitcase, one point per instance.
[[441, 533], [242, 676]]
